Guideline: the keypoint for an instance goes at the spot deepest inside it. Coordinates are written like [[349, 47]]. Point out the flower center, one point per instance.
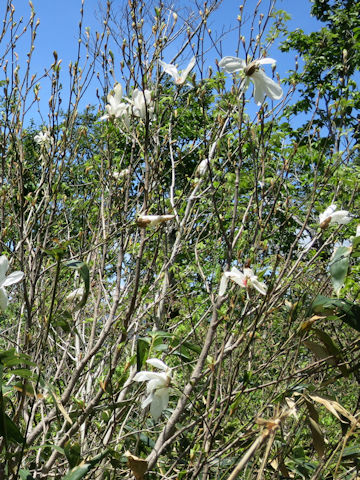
[[251, 68]]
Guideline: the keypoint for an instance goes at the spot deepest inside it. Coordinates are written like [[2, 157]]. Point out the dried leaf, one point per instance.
[[319, 352], [317, 436], [137, 465], [307, 324], [60, 406], [335, 408]]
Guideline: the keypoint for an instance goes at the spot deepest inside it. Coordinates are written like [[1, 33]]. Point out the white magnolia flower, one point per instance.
[[14, 277], [75, 294], [142, 103], [263, 85], [246, 279], [115, 107], [152, 220], [157, 387], [173, 71], [44, 139], [357, 231], [223, 284], [341, 217], [202, 168], [123, 173]]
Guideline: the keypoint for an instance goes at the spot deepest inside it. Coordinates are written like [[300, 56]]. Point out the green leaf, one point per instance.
[[9, 430], [355, 247], [23, 372], [63, 320], [339, 267], [9, 358], [342, 309], [84, 273], [142, 349], [58, 252], [78, 472], [25, 475], [81, 470], [73, 454]]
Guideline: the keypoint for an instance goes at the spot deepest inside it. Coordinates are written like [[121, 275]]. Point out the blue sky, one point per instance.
[[59, 27]]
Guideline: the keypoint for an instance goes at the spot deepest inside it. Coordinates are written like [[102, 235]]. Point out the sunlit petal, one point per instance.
[[3, 299], [157, 363], [170, 69], [186, 72], [145, 376], [232, 64], [266, 61], [147, 401], [159, 403], [14, 277]]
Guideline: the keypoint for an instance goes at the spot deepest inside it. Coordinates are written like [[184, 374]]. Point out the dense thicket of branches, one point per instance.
[[264, 376]]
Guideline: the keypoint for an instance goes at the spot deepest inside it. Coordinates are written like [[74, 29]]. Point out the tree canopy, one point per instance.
[[179, 275]]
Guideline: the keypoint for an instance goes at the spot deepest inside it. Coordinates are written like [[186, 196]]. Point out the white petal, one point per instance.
[[77, 293], [266, 61], [264, 85], [170, 69], [259, 90], [118, 91], [14, 277], [157, 363], [3, 299], [160, 382], [259, 286], [153, 220], [159, 402], [330, 209], [4, 265], [273, 89], [327, 213], [232, 64], [147, 401], [357, 234], [223, 285], [202, 167], [341, 217], [249, 272], [145, 376], [236, 276], [185, 72]]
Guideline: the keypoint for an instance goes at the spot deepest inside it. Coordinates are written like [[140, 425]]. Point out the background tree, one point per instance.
[[258, 377]]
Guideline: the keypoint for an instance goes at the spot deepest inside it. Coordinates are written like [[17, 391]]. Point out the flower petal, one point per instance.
[[249, 272], [159, 402], [263, 85], [259, 286], [259, 90], [186, 72], [3, 299], [266, 61], [145, 376], [118, 92], [341, 217], [170, 69], [236, 276], [4, 265], [14, 277], [157, 363], [147, 400], [223, 284], [232, 64]]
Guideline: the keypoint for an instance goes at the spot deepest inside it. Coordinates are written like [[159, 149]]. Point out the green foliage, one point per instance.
[[256, 380], [339, 267], [338, 308]]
